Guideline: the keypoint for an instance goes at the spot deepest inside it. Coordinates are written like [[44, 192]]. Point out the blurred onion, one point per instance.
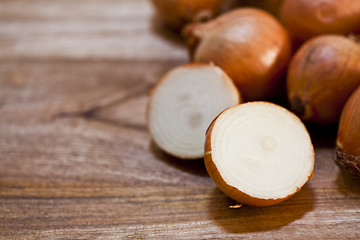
[[307, 18]]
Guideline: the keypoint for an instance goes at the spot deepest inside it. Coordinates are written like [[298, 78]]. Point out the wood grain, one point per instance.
[[77, 162]]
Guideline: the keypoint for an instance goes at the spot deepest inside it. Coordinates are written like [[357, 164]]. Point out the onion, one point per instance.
[[177, 13], [183, 104], [322, 75], [348, 137], [259, 153], [307, 18], [248, 44]]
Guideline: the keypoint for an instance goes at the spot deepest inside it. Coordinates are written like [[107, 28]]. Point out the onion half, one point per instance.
[[183, 104], [259, 153]]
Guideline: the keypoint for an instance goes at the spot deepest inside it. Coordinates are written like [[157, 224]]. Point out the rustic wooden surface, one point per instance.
[[77, 162]]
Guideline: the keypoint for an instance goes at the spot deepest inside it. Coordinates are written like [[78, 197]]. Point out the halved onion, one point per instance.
[[183, 104], [259, 153]]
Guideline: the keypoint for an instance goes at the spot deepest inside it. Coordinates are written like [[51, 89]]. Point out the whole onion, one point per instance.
[[249, 44], [322, 75], [177, 13], [307, 18], [348, 137]]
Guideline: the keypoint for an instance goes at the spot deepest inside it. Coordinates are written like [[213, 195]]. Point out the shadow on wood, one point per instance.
[[258, 219], [158, 27], [322, 136], [348, 185], [196, 167]]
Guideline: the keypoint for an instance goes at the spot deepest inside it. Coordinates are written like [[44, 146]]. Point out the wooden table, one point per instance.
[[76, 159]]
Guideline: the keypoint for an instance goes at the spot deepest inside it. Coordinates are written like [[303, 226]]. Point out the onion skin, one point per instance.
[[177, 13], [307, 18], [250, 45], [229, 190], [321, 77], [348, 138]]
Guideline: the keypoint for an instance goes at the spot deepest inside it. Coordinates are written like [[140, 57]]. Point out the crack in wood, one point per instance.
[[137, 127], [92, 113]]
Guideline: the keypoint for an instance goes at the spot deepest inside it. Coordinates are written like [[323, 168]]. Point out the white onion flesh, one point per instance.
[[183, 104], [262, 149]]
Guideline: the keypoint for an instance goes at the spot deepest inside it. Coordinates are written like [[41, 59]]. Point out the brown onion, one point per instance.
[[307, 18], [249, 44], [348, 138], [177, 13], [322, 75]]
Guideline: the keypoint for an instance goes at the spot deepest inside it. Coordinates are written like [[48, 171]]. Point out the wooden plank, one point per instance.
[[77, 162], [182, 212], [87, 29]]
